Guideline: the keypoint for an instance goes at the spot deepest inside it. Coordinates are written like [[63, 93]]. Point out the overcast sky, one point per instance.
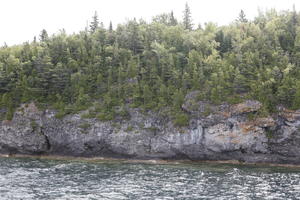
[[21, 20]]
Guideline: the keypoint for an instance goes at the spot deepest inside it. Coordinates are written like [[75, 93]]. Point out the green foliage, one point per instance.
[[90, 114], [7, 102], [181, 119], [178, 99], [95, 23], [251, 116], [84, 126], [152, 129], [187, 21], [153, 66], [129, 128], [106, 116], [9, 114], [124, 113], [60, 114], [242, 17], [234, 99], [83, 100], [269, 133], [34, 125], [296, 101], [207, 111]]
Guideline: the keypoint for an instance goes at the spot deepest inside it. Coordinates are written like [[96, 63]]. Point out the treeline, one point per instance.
[[153, 65]]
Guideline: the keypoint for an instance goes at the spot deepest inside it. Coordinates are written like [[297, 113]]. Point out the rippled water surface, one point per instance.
[[49, 179]]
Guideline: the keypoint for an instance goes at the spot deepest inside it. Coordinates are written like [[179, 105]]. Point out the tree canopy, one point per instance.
[[153, 65]]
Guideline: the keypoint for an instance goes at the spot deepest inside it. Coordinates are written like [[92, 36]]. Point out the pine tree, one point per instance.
[[111, 36], [134, 37], [153, 65], [147, 95], [173, 21], [296, 102], [242, 17], [43, 36], [187, 20], [95, 23], [110, 27]]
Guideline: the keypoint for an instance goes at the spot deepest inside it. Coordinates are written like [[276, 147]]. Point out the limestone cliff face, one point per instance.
[[224, 132]]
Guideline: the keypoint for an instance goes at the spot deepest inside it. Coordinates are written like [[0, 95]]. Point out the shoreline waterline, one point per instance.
[[145, 161]]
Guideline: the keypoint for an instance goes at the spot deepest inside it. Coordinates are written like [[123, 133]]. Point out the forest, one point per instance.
[[153, 65]]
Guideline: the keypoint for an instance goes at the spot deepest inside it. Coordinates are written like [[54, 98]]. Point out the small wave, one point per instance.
[[76, 180], [234, 172]]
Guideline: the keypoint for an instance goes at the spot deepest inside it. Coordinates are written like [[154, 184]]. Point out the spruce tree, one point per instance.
[[110, 27], [187, 19], [155, 64], [134, 37], [43, 35], [173, 21], [95, 23], [242, 17]]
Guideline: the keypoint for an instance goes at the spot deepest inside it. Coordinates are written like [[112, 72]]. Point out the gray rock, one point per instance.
[[23, 134], [224, 134]]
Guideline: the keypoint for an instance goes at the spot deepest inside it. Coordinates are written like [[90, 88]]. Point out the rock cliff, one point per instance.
[[223, 132]]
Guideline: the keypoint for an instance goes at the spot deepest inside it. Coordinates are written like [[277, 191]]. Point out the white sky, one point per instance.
[[21, 20]]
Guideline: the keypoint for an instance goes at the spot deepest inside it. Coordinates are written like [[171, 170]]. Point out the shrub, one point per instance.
[[90, 114], [10, 114], [152, 129], [124, 113], [34, 125], [129, 128], [207, 111], [181, 120], [269, 133], [106, 116], [60, 114], [234, 99], [63, 111], [84, 126], [251, 116]]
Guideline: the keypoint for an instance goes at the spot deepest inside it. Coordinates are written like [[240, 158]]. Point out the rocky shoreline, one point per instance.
[[141, 161], [226, 132]]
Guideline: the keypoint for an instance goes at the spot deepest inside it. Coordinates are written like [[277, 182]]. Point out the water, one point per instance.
[[24, 178]]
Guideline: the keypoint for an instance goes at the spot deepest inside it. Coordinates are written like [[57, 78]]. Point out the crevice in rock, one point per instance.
[[181, 154], [150, 145], [102, 145], [231, 125], [243, 151], [10, 150], [48, 145], [88, 147], [203, 136]]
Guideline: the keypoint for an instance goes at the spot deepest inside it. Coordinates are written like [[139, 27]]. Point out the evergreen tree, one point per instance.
[[134, 37], [187, 19], [178, 99], [95, 23], [296, 101], [110, 29], [173, 21], [43, 36], [242, 17], [154, 65]]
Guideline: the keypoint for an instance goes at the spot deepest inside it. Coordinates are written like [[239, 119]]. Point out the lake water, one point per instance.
[[25, 178]]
